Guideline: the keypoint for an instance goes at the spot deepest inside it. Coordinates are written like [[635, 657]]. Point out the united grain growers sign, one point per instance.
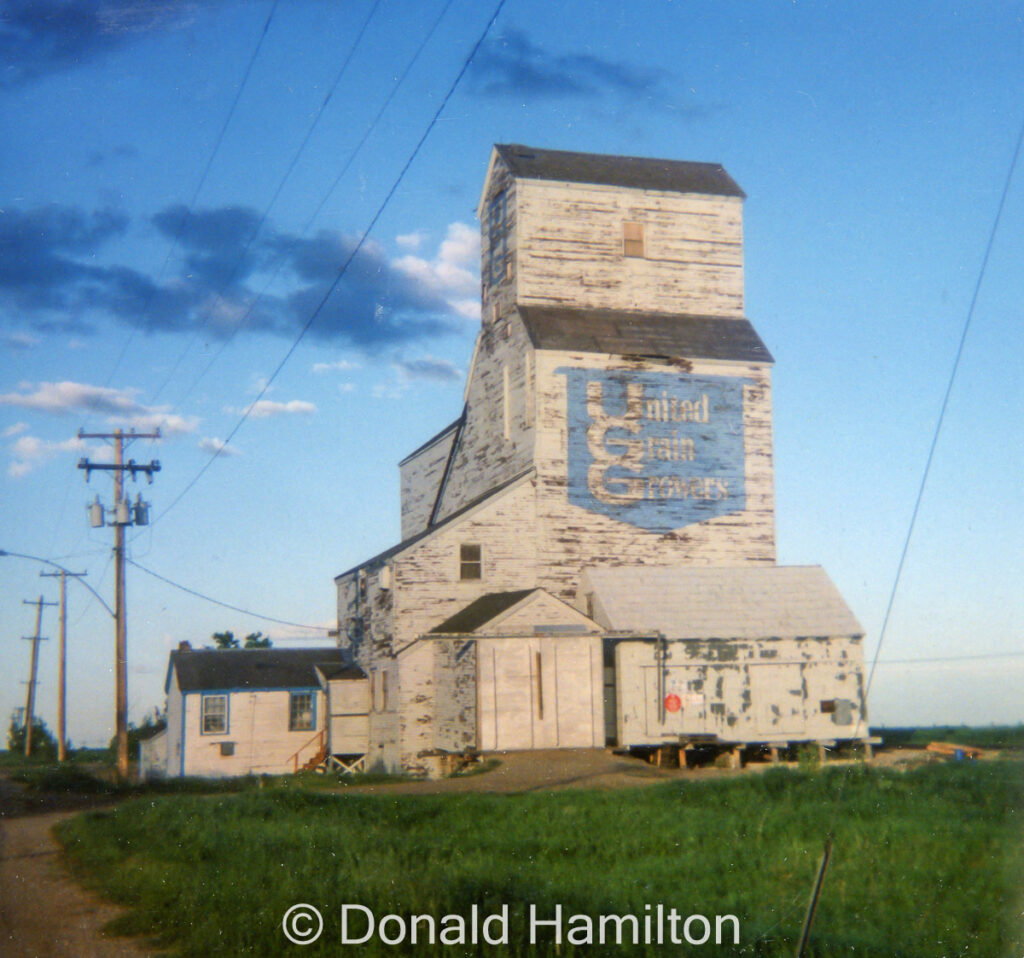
[[656, 450]]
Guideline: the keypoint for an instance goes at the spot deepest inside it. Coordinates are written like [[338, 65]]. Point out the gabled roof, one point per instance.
[[748, 602], [674, 176], [480, 611], [524, 612], [204, 670], [618, 332]]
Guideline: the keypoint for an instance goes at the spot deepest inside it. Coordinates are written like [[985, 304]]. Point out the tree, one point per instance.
[[254, 640], [44, 745], [225, 640], [151, 725]]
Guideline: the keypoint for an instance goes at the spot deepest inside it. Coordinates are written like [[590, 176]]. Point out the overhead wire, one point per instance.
[[859, 729], [218, 297], [225, 605], [187, 215], [945, 405], [282, 258], [345, 265]]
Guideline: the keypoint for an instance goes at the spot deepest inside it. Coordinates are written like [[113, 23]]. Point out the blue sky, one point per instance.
[[173, 208]]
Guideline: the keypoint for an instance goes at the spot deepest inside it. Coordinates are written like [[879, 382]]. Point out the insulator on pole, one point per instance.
[[96, 514]]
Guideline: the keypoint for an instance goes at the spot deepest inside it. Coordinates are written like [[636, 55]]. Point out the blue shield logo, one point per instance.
[[656, 450]]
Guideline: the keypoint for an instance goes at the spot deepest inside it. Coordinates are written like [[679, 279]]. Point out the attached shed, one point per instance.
[[538, 678], [768, 654]]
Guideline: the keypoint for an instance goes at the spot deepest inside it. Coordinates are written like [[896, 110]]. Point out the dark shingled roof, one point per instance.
[[204, 670], [673, 176], [480, 611], [643, 334]]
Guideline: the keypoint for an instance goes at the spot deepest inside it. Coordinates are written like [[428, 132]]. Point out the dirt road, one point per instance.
[[43, 913]]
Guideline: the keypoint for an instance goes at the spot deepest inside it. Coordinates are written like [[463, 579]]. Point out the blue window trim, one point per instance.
[[227, 712], [314, 697]]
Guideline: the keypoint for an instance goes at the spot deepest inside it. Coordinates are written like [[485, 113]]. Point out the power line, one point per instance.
[[945, 404], [348, 261], [266, 210], [951, 658], [323, 200], [226, 605], [202, 180]]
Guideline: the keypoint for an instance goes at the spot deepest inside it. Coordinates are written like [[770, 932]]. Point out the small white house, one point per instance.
[[250, 711]]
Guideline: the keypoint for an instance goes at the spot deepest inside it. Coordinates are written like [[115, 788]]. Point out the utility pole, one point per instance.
[[125, 514], [30, 701], [62, 661]]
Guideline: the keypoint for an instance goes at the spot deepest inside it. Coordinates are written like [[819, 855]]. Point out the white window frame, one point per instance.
[[302, 727], [207, 714]]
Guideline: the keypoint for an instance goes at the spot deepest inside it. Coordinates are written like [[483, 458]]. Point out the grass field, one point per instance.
[[925, 863]]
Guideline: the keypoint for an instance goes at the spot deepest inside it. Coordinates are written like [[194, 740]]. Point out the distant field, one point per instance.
[[926, 863], [984, 736]]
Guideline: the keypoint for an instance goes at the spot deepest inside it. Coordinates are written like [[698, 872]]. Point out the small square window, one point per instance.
[[300, 712], [633, 239], [470, 562], [828, 706], [214, 714]]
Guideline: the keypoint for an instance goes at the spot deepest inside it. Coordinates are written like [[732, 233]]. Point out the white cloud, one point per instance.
[[28, 452], [346, 387], [118, 405], [265, 408], [411, 240], [454, 273], [341, 365], [67, 397], [217, 447], [19, 340], [16, 430]]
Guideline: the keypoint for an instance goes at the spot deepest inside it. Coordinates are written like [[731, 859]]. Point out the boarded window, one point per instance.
[[506, 402], [300, 712], [214, 714], [497, 228], [470, 562], [633, 239]]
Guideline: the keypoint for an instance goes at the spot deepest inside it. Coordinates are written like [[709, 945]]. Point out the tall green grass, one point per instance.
[[925, 863]]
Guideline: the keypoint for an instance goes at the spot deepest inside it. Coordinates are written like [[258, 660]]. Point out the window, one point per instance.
[[301, 716], [470, 562], [227, 749], [497, 228], [214, 714], [633, 239], [828, 706]]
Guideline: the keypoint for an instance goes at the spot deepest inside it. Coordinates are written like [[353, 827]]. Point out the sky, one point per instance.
[[181, 183]]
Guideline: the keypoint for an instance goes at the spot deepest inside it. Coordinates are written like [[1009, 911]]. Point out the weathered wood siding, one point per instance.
[[420, 480], [537, 692], [570, 537], [366, 630], [569, 249], [771, 690], [258, 730], [175, 727], [496, 442]]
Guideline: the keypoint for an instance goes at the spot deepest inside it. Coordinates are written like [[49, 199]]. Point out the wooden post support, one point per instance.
[[822, 753]]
